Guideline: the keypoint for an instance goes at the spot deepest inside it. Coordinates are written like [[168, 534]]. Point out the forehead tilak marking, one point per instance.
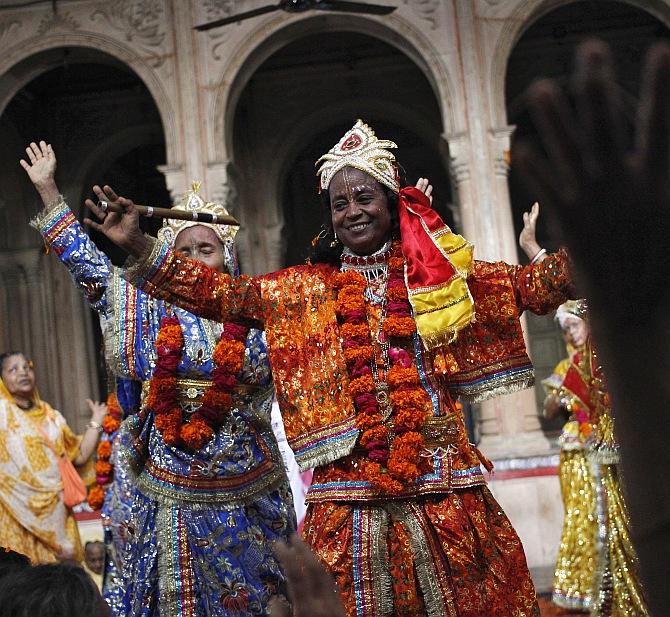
[[347, 185]]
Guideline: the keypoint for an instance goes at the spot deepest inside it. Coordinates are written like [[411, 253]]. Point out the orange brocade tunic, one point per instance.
[[296, 308]]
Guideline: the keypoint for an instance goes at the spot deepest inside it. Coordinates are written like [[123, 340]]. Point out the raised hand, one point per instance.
[[424, 185], [122, 229], [42, 169], [98, 410], [527, 237]]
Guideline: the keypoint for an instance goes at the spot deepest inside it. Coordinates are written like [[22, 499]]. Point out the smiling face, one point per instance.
[[359, 211], [201, 243], [18, 376]]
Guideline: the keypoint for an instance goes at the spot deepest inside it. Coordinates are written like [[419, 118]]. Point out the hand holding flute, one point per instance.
[[122, 226]]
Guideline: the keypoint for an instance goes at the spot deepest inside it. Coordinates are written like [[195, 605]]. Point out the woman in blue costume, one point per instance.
[[202, 519]]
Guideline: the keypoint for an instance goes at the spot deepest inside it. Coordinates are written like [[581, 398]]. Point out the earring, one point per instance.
[[335, 241], [322, 234]]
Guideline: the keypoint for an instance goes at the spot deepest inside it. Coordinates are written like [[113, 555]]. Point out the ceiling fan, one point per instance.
[[298, 6]]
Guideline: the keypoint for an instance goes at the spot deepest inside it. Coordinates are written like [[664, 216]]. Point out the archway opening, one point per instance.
[[96, 113], [546, 49], [105, 129], [297, 105]]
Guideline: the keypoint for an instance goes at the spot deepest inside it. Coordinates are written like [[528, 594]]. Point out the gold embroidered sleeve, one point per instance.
[[192, 285], [542, 287]]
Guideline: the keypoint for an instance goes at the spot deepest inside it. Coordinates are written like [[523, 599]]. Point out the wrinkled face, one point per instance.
[[201, 243], [359, 211], [94, 555], [18, 375], [575, 330]]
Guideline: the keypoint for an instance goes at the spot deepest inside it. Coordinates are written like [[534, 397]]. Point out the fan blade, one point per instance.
[[353, 7], [239, 17]]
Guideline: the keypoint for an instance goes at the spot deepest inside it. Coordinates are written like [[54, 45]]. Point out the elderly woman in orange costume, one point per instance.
[[371, 345]]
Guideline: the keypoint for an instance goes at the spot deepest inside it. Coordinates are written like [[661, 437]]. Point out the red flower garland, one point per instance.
[[104, 469], [392, 450], [199, 428]]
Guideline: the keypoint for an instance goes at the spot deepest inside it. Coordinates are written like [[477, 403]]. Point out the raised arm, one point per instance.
[[89, 267], [543, 286]]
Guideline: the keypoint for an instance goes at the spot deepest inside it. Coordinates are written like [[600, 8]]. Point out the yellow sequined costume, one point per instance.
[[33, 518], [573, 586], [597, 569]]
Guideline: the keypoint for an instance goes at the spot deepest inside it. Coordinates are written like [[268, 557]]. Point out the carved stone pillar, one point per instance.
[[459, 171], [175, 180], [508, 425], [500, 143]]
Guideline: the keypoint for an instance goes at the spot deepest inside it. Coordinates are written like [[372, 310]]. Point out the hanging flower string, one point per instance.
[[104, 470], [196, 430], [393, 446]]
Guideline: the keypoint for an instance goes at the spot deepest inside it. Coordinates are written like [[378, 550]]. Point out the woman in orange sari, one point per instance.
[[34, 519]]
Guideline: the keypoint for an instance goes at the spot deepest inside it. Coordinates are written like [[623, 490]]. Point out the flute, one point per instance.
[[173, 213]]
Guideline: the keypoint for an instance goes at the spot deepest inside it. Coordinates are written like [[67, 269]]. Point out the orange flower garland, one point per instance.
[[393, 451], [104, 469], [198, 429]]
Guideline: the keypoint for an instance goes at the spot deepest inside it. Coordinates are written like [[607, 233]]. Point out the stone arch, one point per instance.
[[387, 75], [37, 286], [17, 70], [268, 38], [526, 13]]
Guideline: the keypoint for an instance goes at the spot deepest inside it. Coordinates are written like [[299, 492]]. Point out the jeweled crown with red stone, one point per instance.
[[359, 148]]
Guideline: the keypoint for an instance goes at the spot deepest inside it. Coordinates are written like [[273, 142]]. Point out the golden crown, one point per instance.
[[359, 148], [192, 201]]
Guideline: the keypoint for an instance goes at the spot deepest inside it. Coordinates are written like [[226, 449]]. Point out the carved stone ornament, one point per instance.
[[8, 27], [62, 20], [216, 9], [426, 9], [140, 21]]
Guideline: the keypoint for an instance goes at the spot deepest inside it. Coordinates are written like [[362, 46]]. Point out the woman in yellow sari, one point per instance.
[[34, 519]]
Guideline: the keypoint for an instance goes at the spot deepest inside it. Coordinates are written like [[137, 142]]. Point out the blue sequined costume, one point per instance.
[[116, 511], [201, 524]]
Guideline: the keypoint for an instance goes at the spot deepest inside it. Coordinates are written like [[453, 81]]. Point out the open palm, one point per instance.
[[42, 165]]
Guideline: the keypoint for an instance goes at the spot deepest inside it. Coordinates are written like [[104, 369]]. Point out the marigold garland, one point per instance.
[[104, 469], [96, 497], [104, 450], [393, 460], [194, 432], [110, 424]]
